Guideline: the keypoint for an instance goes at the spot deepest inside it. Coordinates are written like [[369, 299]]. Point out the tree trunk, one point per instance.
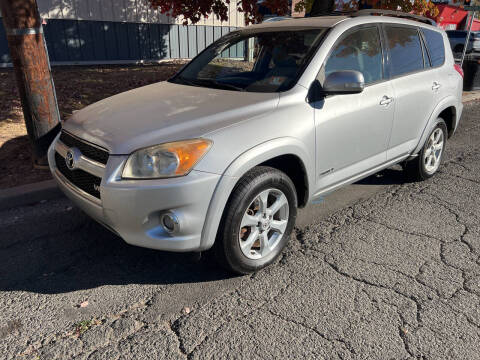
[[32, 71]]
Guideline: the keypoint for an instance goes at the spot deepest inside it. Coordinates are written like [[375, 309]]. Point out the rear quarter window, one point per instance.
[[435, 46]]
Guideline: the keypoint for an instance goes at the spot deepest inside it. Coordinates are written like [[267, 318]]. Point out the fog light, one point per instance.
[[170, 222]]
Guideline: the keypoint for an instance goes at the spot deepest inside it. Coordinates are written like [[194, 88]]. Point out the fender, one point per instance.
[[241, 165], [445, 103]]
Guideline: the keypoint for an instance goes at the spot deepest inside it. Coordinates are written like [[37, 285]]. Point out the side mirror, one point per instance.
[[344, 82]]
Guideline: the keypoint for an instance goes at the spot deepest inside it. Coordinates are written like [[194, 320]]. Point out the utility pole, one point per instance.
[[29, 55], [471, 16], [467, 40]]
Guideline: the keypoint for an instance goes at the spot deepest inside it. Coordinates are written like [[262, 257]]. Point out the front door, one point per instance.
[[352, 130]]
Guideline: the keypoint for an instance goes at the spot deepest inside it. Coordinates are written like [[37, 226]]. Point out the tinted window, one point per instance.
[[435, 46], [360, 51], [269, 61], [405, 50]]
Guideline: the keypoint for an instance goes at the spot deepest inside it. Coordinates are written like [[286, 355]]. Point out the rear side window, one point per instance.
[[435, 46], [360, 50], [405, 50]]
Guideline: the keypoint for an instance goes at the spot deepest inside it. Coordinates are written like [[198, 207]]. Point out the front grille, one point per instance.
[[90, 151], [81, 179]]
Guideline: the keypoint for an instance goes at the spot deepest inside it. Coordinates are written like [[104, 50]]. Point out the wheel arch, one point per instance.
[[449, 114], [281, 153], [449, 107], [294, 167]]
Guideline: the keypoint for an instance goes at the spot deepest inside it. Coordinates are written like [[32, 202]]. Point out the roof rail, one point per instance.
[[399, 14], [276, 18], [333, 13]]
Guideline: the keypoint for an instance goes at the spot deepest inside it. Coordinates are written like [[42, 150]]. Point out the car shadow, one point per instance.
[[54, 247], [391, 176], [61, 251]]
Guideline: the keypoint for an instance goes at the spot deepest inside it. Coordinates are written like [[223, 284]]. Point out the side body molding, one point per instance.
[[449, 101], [241, 165]]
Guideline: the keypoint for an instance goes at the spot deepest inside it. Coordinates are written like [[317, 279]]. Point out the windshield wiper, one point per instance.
[[225, 85], [187, 81], [209, 83]]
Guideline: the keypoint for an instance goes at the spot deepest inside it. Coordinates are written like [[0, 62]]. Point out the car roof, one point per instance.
[[330, 21], [295, 23]]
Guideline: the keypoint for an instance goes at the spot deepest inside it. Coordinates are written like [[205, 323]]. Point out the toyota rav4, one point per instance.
[[264, 120]]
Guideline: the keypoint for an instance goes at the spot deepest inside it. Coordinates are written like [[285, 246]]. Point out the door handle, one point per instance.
[[436, 85], [386, 100]]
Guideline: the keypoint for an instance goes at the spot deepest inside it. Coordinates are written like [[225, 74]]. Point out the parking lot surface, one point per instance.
[[383, 269]]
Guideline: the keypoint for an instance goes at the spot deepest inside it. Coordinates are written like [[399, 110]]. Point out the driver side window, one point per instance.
[[360, 50]]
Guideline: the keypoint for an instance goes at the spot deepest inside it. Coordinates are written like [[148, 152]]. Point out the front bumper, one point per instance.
[[133, 208]]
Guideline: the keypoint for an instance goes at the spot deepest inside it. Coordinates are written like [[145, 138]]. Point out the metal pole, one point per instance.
[[251, 49], [467, 40], [32, 71]]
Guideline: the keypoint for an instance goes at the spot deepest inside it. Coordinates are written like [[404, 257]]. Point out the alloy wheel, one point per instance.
[[263, 224], [433, 152]]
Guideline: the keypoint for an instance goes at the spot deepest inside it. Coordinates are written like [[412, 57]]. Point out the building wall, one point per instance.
[[120, 31], [137, 11]]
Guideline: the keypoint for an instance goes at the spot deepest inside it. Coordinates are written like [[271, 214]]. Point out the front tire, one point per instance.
[[258, 220], [429, 159]]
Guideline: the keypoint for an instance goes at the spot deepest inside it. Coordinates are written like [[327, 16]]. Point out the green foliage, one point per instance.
[[419, 7]]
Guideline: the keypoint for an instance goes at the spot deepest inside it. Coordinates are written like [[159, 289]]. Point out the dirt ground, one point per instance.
[[76, 88]]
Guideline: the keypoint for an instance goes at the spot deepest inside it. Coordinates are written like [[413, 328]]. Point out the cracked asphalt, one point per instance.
[[393, 273]]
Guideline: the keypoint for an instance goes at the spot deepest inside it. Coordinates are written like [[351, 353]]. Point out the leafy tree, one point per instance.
[[419, 7], [193, 10]]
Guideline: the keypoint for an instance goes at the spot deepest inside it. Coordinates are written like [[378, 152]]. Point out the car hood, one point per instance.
[[164, 112]]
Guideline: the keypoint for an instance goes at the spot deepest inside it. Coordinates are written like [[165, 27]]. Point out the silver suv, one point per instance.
[[263, 121]]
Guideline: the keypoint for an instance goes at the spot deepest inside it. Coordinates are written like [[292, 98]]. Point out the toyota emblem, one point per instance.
[[70, 159]]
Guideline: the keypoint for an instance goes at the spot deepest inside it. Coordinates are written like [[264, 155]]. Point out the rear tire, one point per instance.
[[429, 159], [257, 221]]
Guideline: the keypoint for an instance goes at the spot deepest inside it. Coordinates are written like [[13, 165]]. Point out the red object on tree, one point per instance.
[[193, 10]]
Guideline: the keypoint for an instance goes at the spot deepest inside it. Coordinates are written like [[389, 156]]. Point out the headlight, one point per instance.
[[165, 160]]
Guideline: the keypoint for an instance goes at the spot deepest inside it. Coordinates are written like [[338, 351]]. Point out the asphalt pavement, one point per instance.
[[383, 269]]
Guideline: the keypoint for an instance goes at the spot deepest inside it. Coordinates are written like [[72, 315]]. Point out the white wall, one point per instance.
[[123, 11]]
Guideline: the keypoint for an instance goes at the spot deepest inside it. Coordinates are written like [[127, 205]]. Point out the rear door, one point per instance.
[[414, 83], [446, 77]]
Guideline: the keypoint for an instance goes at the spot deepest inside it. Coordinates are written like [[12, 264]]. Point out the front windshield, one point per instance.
[[269, 61]]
